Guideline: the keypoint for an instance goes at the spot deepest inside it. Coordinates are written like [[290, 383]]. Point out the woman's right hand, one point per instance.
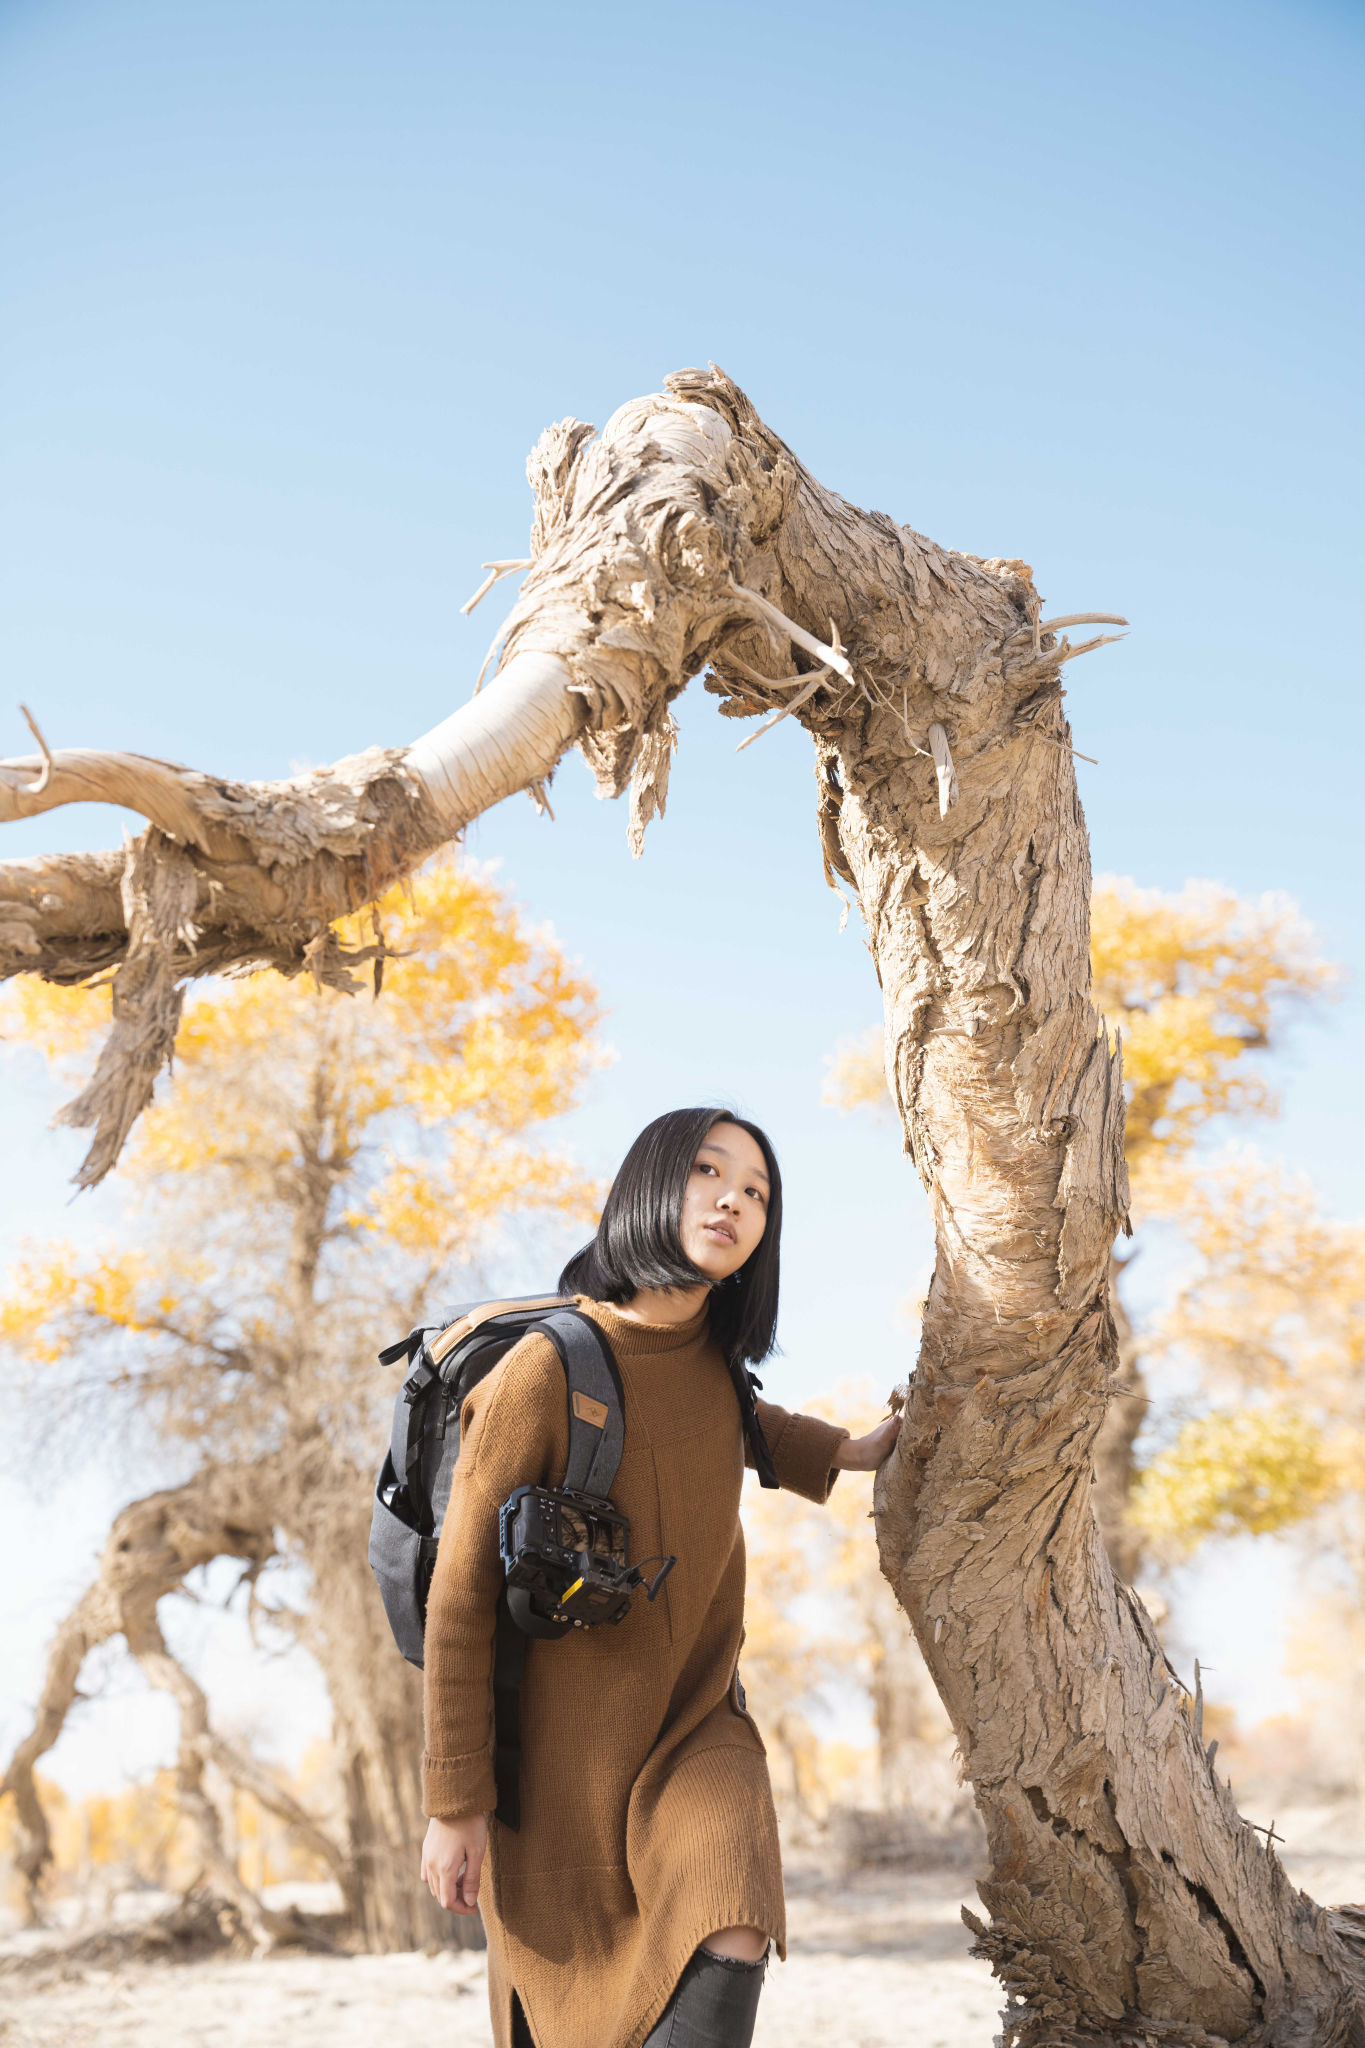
[[452, 1858]]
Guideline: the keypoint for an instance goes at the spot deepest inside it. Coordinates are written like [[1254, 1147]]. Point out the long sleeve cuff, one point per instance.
[[456, 1785], [804, 1456]]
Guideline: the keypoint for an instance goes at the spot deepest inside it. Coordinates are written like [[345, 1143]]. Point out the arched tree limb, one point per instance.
[[1128, 1902], [655, 547], [152, 1546], [167, 1674], [82, 1631]]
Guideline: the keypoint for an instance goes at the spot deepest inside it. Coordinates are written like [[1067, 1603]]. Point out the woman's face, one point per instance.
[[725, 1206]]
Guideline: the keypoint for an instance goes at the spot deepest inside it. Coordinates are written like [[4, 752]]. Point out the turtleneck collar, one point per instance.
[[630, 1339]]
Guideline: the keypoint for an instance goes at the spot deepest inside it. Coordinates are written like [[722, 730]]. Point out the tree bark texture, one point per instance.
[[1127, 1902], [1115, 1463]]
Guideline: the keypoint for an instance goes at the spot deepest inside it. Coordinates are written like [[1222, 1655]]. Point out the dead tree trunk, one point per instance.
[[377, 1736], [1128, 1903]]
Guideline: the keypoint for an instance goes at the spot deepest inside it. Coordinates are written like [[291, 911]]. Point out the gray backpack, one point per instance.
[[446, 1360]]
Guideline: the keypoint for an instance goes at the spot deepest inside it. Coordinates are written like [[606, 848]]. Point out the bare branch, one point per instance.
[[248, 1774], [831, 656], [1081, 619], [496, 745], [811, 685], [167, 1674], [151, 1547], [769, 682], [156, 790], [1088, 646], [84, 1628], [496, 572], [37, 788]]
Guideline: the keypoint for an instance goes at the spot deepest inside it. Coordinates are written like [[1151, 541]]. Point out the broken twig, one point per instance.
[[768, 682], [943, 768], [1065, 745], [812, 683], [1080, 619], [37, 788], [833, 655], [496, 572], [493, 647], [1088, 646]]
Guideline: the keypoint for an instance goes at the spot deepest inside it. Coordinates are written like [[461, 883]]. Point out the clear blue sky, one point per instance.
[[287, 291]]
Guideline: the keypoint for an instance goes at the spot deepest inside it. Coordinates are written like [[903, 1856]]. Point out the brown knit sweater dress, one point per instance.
[[647, 1818]]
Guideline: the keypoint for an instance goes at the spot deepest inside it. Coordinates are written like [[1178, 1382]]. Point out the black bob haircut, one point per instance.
[[639, 1242]]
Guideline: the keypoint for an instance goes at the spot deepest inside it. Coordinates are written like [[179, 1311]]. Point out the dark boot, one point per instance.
[[714, 2006]]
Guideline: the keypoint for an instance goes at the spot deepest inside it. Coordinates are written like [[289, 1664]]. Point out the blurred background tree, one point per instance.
[[321, 1173], [1198, 982], [826, 1649], [1269, 1328]]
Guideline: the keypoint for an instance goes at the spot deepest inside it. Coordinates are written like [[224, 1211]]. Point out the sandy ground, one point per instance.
[[874, 1961], [859, 1964]]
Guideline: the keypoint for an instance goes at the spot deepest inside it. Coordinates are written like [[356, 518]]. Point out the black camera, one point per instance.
[[567, 1560]]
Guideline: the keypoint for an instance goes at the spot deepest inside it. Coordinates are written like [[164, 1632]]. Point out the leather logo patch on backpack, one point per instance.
[[588, 1410]]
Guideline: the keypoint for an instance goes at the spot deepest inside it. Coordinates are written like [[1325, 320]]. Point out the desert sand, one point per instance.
[[875, 1960]]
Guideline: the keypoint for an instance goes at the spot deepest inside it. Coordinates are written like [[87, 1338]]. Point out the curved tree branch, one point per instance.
[[157, 790], [653, 553], [167, 1674], [82, 1631], [153, 1544]]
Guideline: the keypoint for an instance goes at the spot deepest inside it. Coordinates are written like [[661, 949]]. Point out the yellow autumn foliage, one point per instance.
[[139, 1837], [396, 1132], [1272, 1316], [1276, 1303], [1233, 1471], [1195, 980]]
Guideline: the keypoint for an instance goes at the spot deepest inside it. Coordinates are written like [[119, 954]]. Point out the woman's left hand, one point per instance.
[[865, 1453]]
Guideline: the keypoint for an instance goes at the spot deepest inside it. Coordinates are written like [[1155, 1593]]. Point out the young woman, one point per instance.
[[637, 1900]]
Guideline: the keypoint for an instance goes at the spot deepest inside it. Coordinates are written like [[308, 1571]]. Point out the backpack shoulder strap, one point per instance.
[[746, 1386], [596, 1438], [451, 1326], [597, 1406], [457, 1328]]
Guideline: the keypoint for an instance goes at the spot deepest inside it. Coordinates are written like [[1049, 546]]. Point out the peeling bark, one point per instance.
[[158, 893], [1127, 1901]]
